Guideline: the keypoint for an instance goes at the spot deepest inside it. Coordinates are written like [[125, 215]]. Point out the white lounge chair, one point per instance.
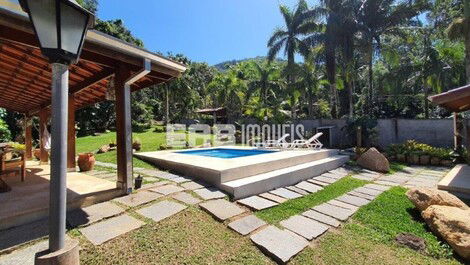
[[313, 142], [281, 142]]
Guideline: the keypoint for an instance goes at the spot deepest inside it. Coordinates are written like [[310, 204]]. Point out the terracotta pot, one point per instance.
[[401, 158], [424, 159], [37, 153], [86, 161], [435, 161], [413, 159], [446, 163]]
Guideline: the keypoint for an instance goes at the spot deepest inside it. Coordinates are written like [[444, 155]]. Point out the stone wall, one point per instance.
[[435, 132]]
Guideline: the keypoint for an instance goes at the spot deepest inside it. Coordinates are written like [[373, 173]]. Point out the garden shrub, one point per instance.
[[413, 147]]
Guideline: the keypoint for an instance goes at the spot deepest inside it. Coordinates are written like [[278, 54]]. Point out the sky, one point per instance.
[[209, 31]]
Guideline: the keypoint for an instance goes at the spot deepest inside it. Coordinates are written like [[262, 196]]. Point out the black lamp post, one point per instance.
[[60, 26]]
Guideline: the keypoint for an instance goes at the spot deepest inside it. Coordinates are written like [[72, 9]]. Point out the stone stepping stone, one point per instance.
[[104, 231], [376, 187], [395, 178], [272, 197], [337, 212], [361, 195], [93, 213], [154, 185], [210, 193], [257, 203], [181, 179], [363, 177], [368, 191], [161, 210], [321, 218], [356, 201], [221, 209], [340, 171], [319, 183], [305, 227], [279, 244], [150, 172], [191, 185], [285, 193], [309, 187], [333, 175], [344, 205], [297, 190], [186, 198], [246, 225], [167, 175], [167, 189], [382, 182], [139, 198], [322, 178]]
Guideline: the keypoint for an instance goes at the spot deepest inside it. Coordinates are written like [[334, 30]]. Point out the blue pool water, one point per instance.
[[226, 152]]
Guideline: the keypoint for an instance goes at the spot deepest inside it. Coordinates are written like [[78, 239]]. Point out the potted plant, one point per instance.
[[86, 161], [424, 159], [137, 144]]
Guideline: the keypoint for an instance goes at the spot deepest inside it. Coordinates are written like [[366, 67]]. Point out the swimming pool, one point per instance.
[[226, 152]]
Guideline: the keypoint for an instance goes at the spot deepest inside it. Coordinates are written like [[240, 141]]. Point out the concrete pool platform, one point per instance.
[[245, 176]]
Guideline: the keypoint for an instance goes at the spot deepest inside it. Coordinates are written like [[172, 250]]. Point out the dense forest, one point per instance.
[[360, 59]]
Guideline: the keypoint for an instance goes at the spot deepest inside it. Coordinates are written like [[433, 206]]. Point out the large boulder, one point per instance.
[[452, 224], [374, 160], [422, 198]]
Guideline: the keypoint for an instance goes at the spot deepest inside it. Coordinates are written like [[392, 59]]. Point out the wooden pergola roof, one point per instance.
[[25, 75], [455, 100], [220, 112]]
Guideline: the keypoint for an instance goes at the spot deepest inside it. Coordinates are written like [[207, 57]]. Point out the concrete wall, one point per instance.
[[435, 132]]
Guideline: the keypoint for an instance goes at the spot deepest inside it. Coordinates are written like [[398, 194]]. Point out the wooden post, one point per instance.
[[359, 136], [457, 135], [44, 156], [28, 138], [123, 130], [71, 164]]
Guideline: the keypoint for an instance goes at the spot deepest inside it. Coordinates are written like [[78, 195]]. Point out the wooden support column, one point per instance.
[[123, 130], [457, 132], [71, 163], [28, 138], [43, 116]]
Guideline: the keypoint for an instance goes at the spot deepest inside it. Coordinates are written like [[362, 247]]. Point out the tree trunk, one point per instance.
[[371, 78], [350, 98], [310, 103], [426, 102], [467, 56]]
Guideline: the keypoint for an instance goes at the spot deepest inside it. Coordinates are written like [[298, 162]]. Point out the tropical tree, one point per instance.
[[460, 29], [289, 38], [379, 17]]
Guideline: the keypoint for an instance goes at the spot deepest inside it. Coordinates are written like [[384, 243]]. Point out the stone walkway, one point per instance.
[[172, 194]]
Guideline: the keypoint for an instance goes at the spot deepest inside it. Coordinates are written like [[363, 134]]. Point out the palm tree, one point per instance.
[[265, 84], [460, 29], [310, 79], [379, 17], [339, 31], [289, 38]]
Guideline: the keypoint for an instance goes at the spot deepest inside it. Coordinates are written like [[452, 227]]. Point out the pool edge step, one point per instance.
[[242, 188]]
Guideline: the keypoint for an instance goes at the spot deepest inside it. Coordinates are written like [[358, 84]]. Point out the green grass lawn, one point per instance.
[[296, 206], [369, 237], [190, 237], [150, 140]]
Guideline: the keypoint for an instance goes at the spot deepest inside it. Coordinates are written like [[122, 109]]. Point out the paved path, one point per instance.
[[164, 199]]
